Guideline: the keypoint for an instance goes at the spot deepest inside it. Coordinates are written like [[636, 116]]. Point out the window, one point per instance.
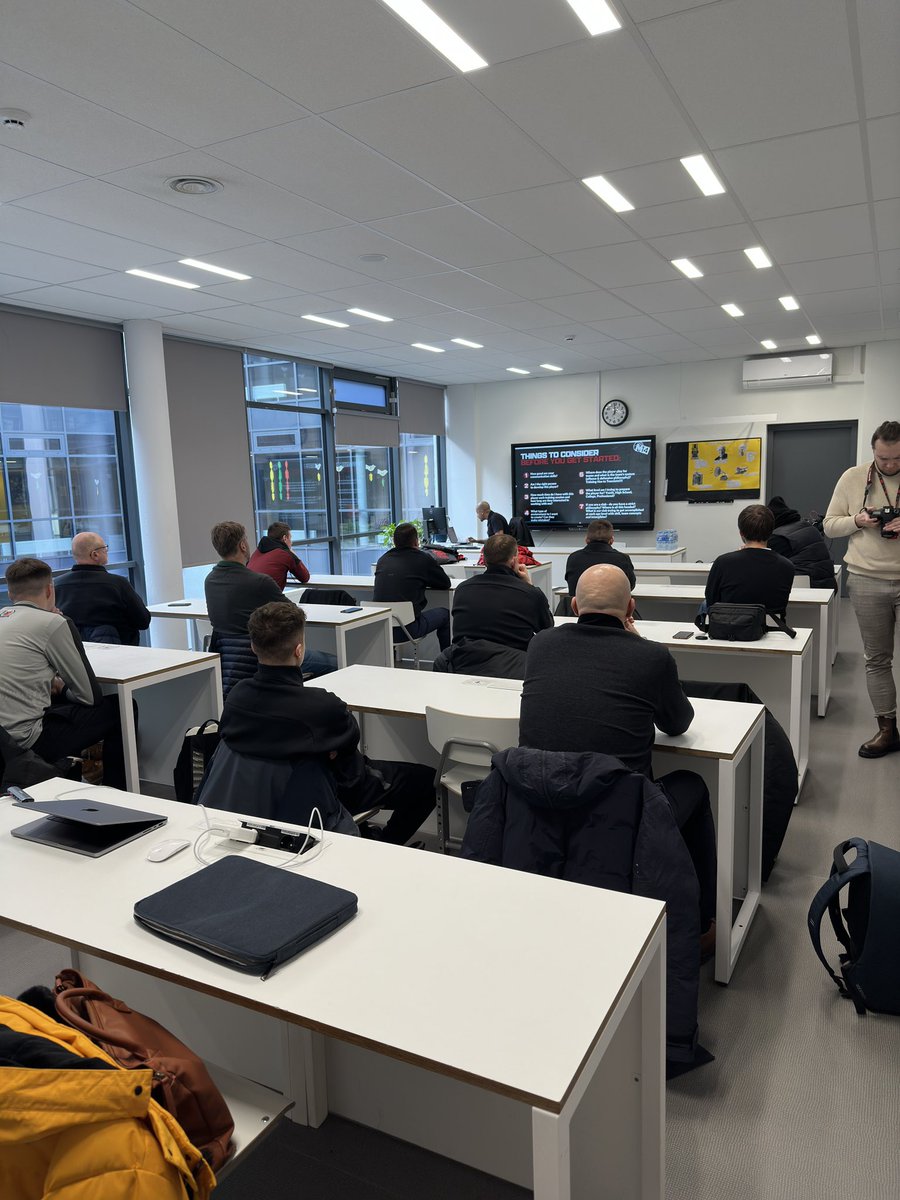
[[363, 392], [365, 504], [419, 474]]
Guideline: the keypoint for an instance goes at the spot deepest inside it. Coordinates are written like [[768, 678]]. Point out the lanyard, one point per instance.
[[873, 468]]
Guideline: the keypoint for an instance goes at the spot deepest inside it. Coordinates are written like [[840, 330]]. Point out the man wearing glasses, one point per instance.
[[104, 607]]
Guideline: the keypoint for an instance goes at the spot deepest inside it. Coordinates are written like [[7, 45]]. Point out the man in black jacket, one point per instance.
[[501, 605], [405, 573], [598, 550], [802, 543], [496, 522], [597, 685], [100, 604], [754, 574], [273, 715]]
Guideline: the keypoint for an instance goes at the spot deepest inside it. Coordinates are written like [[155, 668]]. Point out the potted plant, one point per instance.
[[387, 532]]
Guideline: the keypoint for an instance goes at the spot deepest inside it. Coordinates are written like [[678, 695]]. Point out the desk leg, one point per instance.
[[823, 666], [801, 680], [730, 936], [305, 1080], [340, 640], [129, 737]]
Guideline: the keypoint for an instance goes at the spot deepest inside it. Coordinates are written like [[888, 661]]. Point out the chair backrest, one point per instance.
[[402, 611], [450, 730]]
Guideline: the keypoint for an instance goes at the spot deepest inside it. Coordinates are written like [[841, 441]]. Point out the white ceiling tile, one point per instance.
[[27, 264], [15, 283], [736, 339], [884, 153], [248, 291], [683, 216], [629, 327], [741, 287], [713, 240], [270, 260], [555, 217], [232, 332], [347, 244], [74, 133], [590, 306], [257, 317], [662, 343], [725, 262], [387, 299], [324, 165], [507, 29], [747, 71], [813, 235], [448, 133], [649, 10], [73, 300], [295, 304], [616, 112], [682, 356], [889, 265], [887, 224], [662, 297], [453, 323], [534, 278], [619, 266], [798, 174], [456, 235], [577, 337], [146, 291], [521, 315], [833, 274], [879, 37], [25, 228], [457, 289], [141, 68], [654, 183], [23, 174], [633, 359], [687, 320], [843, 302]]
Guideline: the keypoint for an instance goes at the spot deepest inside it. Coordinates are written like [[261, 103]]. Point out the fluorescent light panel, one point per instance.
[[608, 194], [733, 310], [788, 302], [686, 267], [161, 278], [814, 339], [595, 15], [769, 344], [436, 31], [703, 175], [202, 266], [364, 312], [550, 367], [758, 257], [518, 371], [326, 321], [466, 342], [425, 346], [783, 359]]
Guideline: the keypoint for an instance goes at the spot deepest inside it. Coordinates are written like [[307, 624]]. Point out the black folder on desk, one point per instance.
[[84, 825]]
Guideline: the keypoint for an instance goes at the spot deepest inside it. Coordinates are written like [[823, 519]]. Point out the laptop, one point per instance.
[[84, 825]]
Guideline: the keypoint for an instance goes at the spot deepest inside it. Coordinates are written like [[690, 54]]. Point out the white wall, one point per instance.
[[676, 403]]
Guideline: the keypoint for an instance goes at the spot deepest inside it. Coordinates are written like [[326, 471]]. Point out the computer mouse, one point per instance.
[[163, 850]]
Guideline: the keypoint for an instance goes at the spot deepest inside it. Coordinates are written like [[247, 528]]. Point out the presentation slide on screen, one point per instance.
[[724, 466], [567, 484]]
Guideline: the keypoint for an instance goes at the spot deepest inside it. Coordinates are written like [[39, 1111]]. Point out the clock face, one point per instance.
[[615, 412]]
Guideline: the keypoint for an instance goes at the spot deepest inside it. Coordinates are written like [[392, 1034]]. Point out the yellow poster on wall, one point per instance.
[[724, 466]]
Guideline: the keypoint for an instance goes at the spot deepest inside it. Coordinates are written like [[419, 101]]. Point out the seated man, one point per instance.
[[405, 573], [598, 549], [598, 685], [754, 574], [104, 607], [275, 558], [496, 523], [274, 716], [501, 605], [50, 701], [233, 592], [802, 543]]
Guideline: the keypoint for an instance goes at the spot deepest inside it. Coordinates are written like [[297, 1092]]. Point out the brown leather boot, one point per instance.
[[885, 741]]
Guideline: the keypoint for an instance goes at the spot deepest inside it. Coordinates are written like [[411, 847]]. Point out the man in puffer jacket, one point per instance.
[[802, 543]]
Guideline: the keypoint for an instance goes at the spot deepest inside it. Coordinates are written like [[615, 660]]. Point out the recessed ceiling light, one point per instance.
[[518, 371], [364, 312], [202, 266], [783, 359], [425, 346], [595, 15], [733, 310], [373, 258], [703, 175], [466, 342], [814, 339], [788, 302], [326, 321], [769, 344], [194, 185], [161, 278], [436, 31], [608, 194], [824, 356], [550, 367], [686, 267], [758, 257]]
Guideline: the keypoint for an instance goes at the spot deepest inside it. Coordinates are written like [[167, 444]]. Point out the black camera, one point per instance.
[[883, 516]]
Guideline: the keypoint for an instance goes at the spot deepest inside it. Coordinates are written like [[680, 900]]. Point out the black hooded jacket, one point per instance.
[[802, 543]]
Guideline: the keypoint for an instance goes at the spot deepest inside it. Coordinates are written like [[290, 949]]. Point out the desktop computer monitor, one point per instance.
[[434, 521]]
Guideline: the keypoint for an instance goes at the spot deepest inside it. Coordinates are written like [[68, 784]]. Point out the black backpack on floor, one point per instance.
[[870, 962]]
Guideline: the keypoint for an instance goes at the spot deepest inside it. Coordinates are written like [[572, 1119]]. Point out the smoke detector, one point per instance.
[[13, 118], [194, 185]]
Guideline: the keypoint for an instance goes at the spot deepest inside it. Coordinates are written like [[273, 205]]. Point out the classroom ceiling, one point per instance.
[[338, 134]]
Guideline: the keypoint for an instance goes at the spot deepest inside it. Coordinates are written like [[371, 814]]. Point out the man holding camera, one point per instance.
[[866, 507]]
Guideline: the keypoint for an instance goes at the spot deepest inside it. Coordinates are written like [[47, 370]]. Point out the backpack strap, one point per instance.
[[781, 623], [827, 897]]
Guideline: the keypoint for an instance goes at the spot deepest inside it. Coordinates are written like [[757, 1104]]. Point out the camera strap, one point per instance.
[[874, 470]]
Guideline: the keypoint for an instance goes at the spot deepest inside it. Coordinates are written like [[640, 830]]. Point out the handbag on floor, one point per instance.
[[181, 1082], [869, 962]]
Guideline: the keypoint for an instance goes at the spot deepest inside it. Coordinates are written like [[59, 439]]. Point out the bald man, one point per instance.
[[103, 606], [496, 523]]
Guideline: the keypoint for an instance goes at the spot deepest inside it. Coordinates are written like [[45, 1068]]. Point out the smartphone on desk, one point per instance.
[[683, 633], [355, 608]]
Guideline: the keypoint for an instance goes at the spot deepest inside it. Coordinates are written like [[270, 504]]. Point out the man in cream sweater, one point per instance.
[[860, 509]]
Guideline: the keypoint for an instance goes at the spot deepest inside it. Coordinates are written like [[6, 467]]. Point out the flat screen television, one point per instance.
[[565, 485], [710, 472]]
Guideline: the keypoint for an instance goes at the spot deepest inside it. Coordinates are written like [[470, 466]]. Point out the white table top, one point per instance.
[[351, 582], [125, 664], [518, 1012], [316, 614], [719, 728], [625, 547], [774, 642], [696, 591]]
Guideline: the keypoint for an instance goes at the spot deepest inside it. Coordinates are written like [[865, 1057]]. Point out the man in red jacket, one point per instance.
[[274, 557]]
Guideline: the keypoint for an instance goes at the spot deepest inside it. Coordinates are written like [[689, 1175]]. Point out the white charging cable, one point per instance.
[[298, 860]]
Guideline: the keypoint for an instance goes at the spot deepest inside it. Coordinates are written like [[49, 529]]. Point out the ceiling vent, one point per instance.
[[194, 185], [788, 371]]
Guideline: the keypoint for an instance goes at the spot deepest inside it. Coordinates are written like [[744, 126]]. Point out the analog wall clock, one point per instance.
[[615, 413]]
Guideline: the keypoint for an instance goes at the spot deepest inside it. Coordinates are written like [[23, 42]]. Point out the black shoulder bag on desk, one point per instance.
[[739, 622]]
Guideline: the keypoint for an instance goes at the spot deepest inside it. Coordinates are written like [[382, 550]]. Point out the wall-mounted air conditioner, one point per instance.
[[788, 370]]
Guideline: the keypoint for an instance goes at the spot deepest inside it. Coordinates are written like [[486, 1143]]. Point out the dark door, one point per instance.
[[803, 464]]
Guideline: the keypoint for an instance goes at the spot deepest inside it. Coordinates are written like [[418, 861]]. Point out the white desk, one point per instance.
[[541, 576], [808, 608], [557, 555], [502, 1043], [178, 689], [363, 587], [724, 745], [354, 637]]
